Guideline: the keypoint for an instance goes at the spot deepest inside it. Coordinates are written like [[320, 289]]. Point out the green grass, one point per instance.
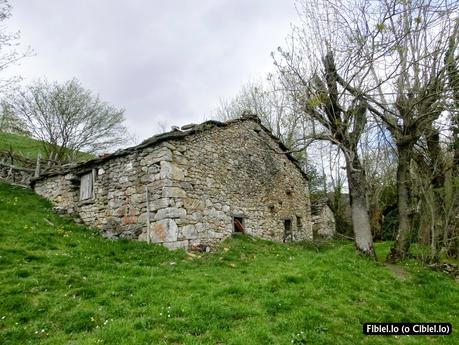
[[28, 147], [20, 144], [62, 284]]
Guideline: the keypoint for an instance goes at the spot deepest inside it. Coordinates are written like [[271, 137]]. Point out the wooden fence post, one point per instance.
[[37, 167], [50, 158], [148, 214]]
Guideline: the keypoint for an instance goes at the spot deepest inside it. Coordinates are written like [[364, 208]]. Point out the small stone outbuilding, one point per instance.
[[193, 185], [323, 220]]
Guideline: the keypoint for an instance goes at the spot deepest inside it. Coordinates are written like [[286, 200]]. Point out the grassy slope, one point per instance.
[[63, 284], [27, 146], [21, 144]]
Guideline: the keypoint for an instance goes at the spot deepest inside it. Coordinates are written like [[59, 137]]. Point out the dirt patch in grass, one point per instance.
[[398, 271]]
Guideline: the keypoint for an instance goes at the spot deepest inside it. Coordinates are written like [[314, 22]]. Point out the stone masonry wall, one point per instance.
[[238, 171], [323, 221], [196, 185]]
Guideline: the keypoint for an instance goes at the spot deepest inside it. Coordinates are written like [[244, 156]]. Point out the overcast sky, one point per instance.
[[166, 62]]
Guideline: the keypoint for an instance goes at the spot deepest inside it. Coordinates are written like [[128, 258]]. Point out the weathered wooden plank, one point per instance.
[[148, 214], [86, 186]]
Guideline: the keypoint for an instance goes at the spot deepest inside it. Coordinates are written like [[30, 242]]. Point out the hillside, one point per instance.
[[28, 147], [21, 144], [62, 283]]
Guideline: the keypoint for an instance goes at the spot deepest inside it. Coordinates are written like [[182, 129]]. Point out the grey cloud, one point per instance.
[[163, 61]]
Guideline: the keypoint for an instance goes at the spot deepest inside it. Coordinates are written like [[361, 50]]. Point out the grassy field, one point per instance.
[[63, 284], [20, 144], [28, 147]]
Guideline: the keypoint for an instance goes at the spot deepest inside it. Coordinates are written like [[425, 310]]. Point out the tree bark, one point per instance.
[[438, 179], [402, 241], [359, 209]]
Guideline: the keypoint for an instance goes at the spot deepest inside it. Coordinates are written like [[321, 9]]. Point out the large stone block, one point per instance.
[[124, 179], [171, 171], [164, 231], [137, 199], [176, 245], [197, 216], [173, 192], [193, 204], [163, 154], [159, 185], [188, 232], [160, 203], [170, 212]]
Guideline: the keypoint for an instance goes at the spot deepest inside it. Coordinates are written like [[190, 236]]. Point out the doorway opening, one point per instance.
[[288, 234], [238, 225]]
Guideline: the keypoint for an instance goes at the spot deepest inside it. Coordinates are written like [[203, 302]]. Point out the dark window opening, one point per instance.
[[288, 235], [299, 223], [238, 225]]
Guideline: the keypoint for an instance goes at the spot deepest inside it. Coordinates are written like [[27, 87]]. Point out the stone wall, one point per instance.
[[323, 220], [196, 185], [238, 170], [15, 175]]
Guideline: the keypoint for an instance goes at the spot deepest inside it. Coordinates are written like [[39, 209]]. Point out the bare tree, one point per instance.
[[274, 108], [451, 61], [398, 50], [69, 118], [9, 122], [396, 60], [312, 69], [379, 159], [405, 44], [9, 41]]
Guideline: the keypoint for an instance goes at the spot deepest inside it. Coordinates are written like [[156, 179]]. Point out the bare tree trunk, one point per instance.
[[359, 209], [438, 179], [402, 242]]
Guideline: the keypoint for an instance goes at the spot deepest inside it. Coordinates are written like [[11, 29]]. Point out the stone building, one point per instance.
[[194, 185], [323, 220]]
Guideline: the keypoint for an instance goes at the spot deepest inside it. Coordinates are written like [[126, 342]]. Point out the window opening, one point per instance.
[[87, 186], [299, 223]]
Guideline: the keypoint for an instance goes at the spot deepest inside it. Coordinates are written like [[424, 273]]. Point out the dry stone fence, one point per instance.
[[16, 175], [19, 170]]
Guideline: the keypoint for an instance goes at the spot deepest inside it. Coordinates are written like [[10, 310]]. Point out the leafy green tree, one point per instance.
[[68, 118]]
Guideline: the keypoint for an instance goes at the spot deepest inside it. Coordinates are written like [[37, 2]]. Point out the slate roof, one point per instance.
[[175, 133]]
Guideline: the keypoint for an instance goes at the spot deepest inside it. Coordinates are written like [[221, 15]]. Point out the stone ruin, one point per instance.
[[16, 175], [323, 220], [190, 187]]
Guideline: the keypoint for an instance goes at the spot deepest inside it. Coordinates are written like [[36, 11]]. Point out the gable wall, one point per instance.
[[238, 170]]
